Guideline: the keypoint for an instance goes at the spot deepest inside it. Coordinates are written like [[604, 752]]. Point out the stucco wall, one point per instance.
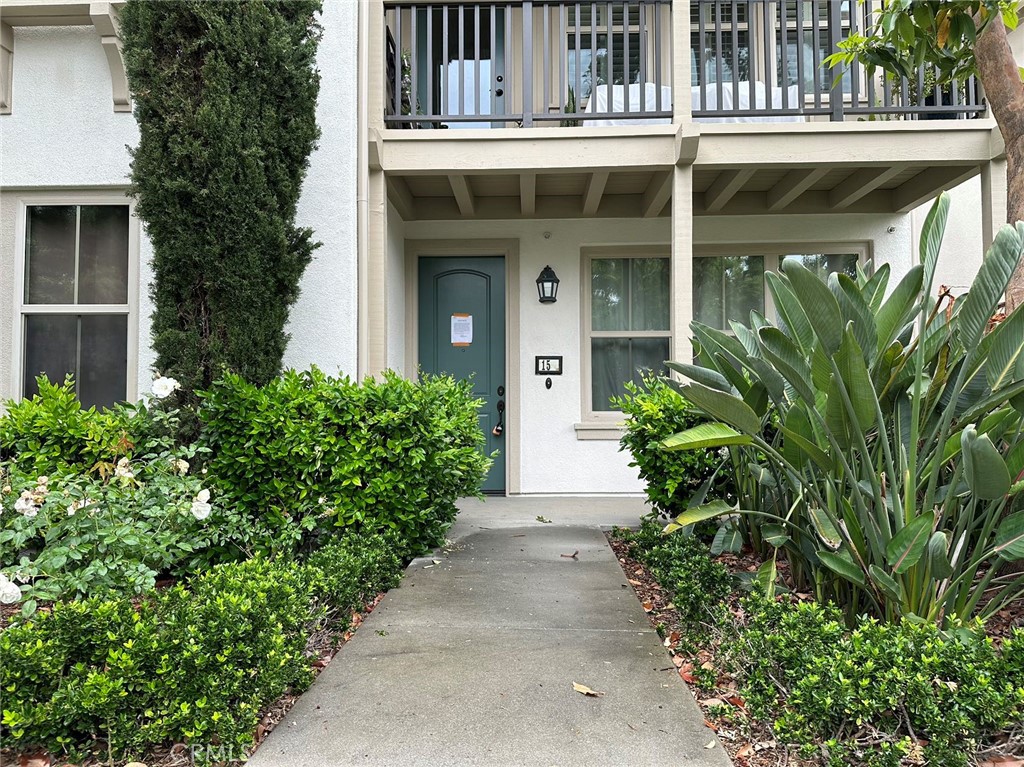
[[551, 457], [63, 134], [396, 290]]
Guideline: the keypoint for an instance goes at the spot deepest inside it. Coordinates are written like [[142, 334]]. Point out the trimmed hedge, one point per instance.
[[195, 663], [308, 453]]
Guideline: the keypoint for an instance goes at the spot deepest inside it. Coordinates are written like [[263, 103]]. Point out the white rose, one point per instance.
[[164, 387], [200, 509], [180, 465], [204, 496], [9, 592], [124, 469], [26, 505]]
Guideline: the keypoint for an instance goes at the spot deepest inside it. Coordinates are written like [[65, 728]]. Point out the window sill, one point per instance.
[[600, 430]]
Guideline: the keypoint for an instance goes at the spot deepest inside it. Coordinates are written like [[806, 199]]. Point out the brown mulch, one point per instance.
[[749, 743], [322, 646]]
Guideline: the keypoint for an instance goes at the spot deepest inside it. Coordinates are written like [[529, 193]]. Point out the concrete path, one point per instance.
[[472, 660]]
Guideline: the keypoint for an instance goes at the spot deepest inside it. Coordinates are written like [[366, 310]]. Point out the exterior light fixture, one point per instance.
[[547, 286]]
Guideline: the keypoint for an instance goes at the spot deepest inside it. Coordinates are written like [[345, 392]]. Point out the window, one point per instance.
[[728, 287], [75, 299], [627, 321]]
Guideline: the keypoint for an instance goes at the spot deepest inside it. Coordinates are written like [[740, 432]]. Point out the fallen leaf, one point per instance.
[[545, 520], [574, 555], [711, 744], [436, 561], [635, 583], [34, 760], [648, 606], [745, 751], [712, 702], [737, 701], [582, 689], [135, 764]]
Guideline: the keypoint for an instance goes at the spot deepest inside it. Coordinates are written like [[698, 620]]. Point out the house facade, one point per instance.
[[656, 157]]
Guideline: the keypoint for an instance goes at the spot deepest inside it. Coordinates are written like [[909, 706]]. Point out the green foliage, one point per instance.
[[51, 431], [308, 453], [941, 33], [654, 412], [883, 433], [193, 664], [681, 564], [225, 97], [901, 682]]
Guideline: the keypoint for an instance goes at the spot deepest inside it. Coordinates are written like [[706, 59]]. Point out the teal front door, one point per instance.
[[462, 333]]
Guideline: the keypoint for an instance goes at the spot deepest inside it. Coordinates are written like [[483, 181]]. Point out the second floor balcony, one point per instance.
[[526, 63]]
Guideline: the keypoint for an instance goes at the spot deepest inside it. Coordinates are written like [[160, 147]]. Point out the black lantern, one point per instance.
[[547, 286]]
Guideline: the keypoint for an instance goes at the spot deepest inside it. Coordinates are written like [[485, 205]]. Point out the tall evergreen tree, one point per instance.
[[225, 96]]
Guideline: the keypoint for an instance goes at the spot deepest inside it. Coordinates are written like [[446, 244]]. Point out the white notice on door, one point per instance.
[[462, 329]]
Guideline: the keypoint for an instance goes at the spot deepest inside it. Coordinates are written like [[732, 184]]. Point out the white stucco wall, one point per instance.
[[551, 458], [64, 135], [323, 323], [396, 290], [961, 253]]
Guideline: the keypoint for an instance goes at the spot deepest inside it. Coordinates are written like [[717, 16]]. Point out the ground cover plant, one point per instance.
[[881, 434], [785, 680]]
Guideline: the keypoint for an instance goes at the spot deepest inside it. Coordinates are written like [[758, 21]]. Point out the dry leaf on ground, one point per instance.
[[584, 690]]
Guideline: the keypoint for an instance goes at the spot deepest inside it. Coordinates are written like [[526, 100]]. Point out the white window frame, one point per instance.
[[773, 254], [601, 421], [131, 309]]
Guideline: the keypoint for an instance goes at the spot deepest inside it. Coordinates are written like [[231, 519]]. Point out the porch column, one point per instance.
[[682, 262], [993, 199], [681, 75]]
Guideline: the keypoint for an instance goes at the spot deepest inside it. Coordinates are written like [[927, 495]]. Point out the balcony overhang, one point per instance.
[[738, 169]]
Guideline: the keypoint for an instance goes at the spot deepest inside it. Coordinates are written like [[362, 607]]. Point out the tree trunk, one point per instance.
[[1005, 93]]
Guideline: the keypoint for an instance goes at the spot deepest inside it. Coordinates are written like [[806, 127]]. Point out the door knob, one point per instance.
[[499, 427]]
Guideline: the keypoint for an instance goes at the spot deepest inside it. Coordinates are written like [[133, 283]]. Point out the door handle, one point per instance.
[[499, 427]]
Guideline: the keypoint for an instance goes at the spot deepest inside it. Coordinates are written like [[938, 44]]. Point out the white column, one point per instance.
[[681, 76], [682, 262], [993, 199]]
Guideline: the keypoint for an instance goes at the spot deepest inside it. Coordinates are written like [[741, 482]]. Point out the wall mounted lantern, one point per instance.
[[547, 286]]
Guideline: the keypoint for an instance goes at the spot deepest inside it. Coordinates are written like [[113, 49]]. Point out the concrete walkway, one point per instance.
[[472, 660]]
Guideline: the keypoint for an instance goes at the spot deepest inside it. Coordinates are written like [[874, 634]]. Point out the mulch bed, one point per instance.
[[748, 743], [323, 645]]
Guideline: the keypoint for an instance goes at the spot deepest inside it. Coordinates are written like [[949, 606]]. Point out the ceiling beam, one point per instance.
[[927, 184], [862, 182], [657, 193], [728, 183], [528, 193], [594, 191], [794, 184], [401, 197], [463, 194]]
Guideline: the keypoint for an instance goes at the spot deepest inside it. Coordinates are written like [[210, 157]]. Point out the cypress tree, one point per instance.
[[225, 96]]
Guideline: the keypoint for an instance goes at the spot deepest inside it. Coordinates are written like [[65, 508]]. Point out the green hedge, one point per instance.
[[193, 664], [654, 412], [308, 453]]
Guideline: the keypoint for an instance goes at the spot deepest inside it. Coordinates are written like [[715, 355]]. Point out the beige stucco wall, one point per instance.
[[396, 290]]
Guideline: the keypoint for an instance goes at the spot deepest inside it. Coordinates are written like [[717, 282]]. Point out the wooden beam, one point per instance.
[[463, 194], [401, 197], [927, 184], [794, 184], [528, 193], [862, 182], [657, 194], [727, 184], [594, 191]]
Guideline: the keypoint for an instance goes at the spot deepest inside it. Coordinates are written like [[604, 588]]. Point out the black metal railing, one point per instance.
[[553, 62]]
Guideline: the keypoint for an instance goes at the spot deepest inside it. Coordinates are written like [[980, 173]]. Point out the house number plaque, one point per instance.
[[548, 366]]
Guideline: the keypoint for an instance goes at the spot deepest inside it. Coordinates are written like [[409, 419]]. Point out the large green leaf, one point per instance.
[[855, 377], [705, 435], [841, 563], [906, 548], [706, 376], [826, 530], [725, 407], [874, 288], [727, 539], [1006, 349], [855, 309], [988, 287], [985, 470], [931, 238], [897, 309], [1010, 537], [775, 534], [792, 318], [780, 350], [886, 583], [707, 511], [938, 555], [818, 303]]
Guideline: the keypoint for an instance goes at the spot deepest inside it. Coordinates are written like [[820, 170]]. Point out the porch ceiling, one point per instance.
[[799, 168]]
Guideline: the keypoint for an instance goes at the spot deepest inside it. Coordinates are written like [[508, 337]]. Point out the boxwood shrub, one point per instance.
[[308, 453], [195, 663]]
